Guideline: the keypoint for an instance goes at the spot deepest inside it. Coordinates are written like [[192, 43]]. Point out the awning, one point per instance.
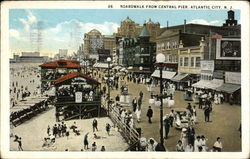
[[201, 84], [165, 74], [213, 84], [101, 65], [179, 77], [228, 87]]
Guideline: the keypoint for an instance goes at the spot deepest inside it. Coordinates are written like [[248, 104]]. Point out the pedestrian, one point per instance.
[[117, 98], [108, 128], [197, 144], [59, 129], [55, 130], [207, 111], [179, 146], [134, 104], [94, 147], [48, 130], [218, 144], [141, 94], [203, 143], [194, 116], [149, 114], [189, 148], [94, 125], [19, 141], [184, 137], [152, 144], [103, 148], [167, 124], [191, 135], [171, 117], [200, 102], [139, 101], [85, 141], [138, 113]]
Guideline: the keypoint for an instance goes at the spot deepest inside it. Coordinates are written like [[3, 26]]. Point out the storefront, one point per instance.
[[181, 80], [232, 87]]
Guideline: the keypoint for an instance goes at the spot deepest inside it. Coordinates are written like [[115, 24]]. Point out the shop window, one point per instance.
[[185, 61]]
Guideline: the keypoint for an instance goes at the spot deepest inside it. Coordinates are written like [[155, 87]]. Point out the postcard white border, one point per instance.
[[5, 6]]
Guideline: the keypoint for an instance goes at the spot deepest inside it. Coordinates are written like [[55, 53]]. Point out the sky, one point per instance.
[[65, 28]]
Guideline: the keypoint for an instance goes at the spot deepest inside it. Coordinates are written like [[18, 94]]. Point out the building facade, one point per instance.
[[129, 29], [138, 52], [95, 41]]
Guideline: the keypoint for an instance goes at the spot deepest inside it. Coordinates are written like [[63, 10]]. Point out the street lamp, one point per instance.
[[140, 68], [160, 58], [108, 60]]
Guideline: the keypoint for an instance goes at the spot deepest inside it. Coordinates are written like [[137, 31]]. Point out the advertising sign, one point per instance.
[[78, 97], [207, 65], [228, 48], [233, 77]]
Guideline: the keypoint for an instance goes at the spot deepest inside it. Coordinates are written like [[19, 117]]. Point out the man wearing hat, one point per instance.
[[167, 124]]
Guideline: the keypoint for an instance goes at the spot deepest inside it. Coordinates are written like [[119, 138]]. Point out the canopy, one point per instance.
[[229, 88], [201, 84], [180, 77], [101, 65], [208, 84], [215, 83], [165, 74]]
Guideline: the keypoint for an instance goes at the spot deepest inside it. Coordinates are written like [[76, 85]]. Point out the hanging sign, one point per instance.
[[78, 97]]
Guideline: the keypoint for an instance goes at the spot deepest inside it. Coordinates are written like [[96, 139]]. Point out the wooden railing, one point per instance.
[[129, 133]]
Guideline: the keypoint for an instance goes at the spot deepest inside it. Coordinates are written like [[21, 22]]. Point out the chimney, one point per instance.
[[184, 25]]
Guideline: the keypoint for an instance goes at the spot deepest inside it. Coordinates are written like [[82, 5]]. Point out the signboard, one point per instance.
[[228, 48], [233, 77], [207, 65], [78, 97], [79, 80]]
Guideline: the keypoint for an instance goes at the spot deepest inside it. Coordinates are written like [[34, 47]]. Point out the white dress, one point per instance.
[[197, 144]]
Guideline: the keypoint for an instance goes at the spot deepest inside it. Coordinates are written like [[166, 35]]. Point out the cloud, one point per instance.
[[67, 34], [15, 34], [205, 22]]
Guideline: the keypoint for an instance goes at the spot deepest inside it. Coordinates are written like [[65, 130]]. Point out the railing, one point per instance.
[[129, 134]]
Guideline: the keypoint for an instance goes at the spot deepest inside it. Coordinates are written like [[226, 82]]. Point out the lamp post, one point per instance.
[[160, 58], [108, 60]]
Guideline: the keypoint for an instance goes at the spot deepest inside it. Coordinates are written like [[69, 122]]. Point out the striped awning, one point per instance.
[[165, 74], [229, 88], [180, 77]]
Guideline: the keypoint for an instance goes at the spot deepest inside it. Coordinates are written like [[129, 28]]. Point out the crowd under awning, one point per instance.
[[180, 77], [165, 74], [209, 84], [229, 88]]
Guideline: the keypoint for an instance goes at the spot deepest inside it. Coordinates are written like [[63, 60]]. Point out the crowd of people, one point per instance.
[[88, 93], [24, 82]]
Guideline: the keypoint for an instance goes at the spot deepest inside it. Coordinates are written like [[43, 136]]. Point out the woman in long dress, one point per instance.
[[184, 138], [138, 114]]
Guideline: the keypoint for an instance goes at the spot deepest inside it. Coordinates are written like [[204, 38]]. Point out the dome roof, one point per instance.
[[95, 32], [150, 22], [127, 19]]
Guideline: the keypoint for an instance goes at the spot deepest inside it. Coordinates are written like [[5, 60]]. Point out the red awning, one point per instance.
[[73, 75], [62, 64]]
